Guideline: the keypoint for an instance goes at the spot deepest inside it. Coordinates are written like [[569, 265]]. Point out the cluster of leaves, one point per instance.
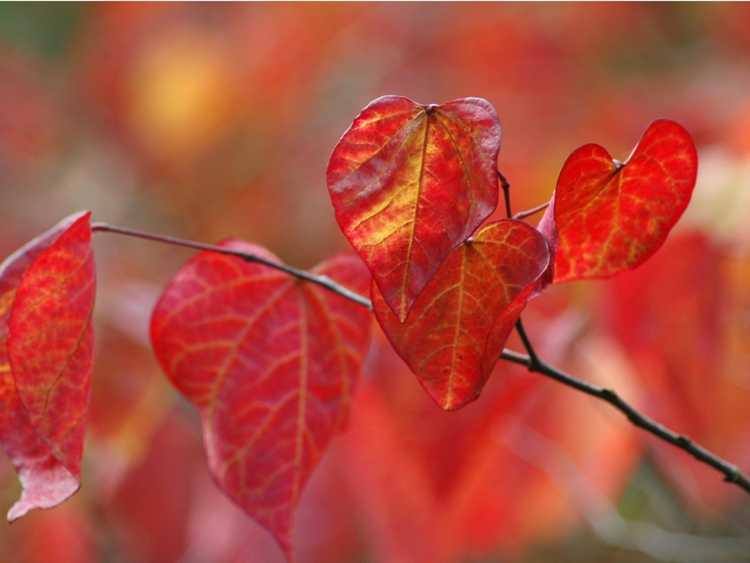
[[271, 361]]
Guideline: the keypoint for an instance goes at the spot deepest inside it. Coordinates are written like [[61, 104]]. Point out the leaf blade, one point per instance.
[[608, 217], [409, 182], [270, 362], [47, 462], [458, 325]]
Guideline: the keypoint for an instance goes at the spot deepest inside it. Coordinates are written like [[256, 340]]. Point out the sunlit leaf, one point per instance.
[[607, 216], [458, 326], [409, 182], [46, 298], [271, 363]]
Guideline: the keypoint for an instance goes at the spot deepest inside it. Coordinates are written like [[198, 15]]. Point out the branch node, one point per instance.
[[506, 193], [684, 441]]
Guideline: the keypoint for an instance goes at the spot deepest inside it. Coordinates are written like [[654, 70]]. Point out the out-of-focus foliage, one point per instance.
[[206, 122]]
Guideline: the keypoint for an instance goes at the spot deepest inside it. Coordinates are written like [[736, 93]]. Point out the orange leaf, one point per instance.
[[409, 182], [271, 363], [608, 217], [459, 324], [46, 298]]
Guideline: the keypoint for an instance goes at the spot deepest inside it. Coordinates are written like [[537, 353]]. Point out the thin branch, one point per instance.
[[531, 361], [323, 281], [533, 358], [604, 520], [505, 185], [529, 212], [731, 473]]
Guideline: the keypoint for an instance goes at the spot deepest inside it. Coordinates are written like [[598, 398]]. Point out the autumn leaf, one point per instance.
[[46, 297], [271, 363], [409, 182], [456, 330], [606, 216]]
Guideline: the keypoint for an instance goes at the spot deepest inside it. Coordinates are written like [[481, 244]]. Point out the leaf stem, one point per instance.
[[322, 281], [505, 185], [533, 358], [529, 212]]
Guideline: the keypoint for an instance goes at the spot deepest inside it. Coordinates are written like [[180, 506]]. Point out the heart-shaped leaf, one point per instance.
[[46, 297], [458, 326], [409, 182], [271, 363], [606, 216]]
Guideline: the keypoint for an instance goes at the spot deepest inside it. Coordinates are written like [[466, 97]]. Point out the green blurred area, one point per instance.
[[46, 29]]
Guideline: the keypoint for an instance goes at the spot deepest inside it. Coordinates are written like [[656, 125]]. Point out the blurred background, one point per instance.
[[210, 121]]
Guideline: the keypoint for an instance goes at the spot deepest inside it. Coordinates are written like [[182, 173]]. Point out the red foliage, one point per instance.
[[683, 353], [271, 363], [409, 182], [458, 326], [607, 217], [482, 479], [162, 478], [46, 297]]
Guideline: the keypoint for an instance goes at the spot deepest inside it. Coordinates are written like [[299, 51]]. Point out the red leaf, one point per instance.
[[607, 217], [457, 328], [271, 363], [46, 297], [410, 182]]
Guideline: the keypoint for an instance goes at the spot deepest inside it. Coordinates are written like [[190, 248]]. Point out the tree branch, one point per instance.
[[731, 473], [531, 361], [604, 519], [505, 185], [533, 358], [323, 281]]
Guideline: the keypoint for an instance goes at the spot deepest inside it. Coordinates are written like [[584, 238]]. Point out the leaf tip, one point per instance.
[[283, 539], [450, 402], [43, 490]]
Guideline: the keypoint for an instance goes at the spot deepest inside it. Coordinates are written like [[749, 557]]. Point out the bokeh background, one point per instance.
[[209, 121]]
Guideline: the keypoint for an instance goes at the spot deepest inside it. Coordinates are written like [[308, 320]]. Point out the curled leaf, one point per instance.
[[606, 216], [271, 363], [46, 297], [409, 182], [458, 326]]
